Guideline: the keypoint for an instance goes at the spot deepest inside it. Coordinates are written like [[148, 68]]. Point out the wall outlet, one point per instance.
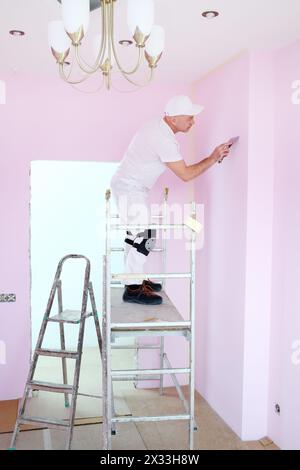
[[7, 297]]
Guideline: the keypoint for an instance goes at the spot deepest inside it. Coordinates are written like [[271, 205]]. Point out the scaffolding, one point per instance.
[[121, 319]]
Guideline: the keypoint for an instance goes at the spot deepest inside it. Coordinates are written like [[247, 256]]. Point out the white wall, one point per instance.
[[67, 216]]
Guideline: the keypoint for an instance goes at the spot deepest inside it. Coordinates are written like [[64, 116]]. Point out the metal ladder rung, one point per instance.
[[136, 378], [133, 346], [147, 226], [57, 353], [169, 325], [124, 373], [89, 395], [157, 216], [50, 387], [120, 250], [69, 316], [123, 276], [138, 419], [51, 423]]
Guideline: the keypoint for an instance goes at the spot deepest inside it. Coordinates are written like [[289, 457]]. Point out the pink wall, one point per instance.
[[259, 246], [45, 119], [285, 330], [248, 271], [222, 263]]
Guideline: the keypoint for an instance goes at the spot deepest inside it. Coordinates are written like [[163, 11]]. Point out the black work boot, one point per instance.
[[141, 295], [155, 286]]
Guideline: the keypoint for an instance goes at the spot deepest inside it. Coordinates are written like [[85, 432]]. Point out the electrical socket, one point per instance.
[[7, 297]]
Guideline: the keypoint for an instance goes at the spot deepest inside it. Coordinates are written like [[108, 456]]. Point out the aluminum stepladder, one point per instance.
[[110, 328], [63, 316]]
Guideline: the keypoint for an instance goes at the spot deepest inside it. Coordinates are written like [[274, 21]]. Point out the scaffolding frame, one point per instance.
[[112, 330]]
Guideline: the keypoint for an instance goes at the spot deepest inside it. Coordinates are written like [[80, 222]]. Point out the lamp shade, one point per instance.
[[57, 37], [75, 13], [156, 42], [140, 13]]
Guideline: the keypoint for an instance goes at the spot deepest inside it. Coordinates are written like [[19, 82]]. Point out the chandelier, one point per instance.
[[68, 33]]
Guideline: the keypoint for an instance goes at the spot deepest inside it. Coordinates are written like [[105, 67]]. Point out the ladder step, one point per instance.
[[50, 423], [140, 419], [57, 353], [69, 316], [131, 372], [50, 387], [119, 249], [136, 378]]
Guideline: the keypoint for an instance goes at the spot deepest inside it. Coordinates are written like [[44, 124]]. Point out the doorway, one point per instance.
[[67, 216]]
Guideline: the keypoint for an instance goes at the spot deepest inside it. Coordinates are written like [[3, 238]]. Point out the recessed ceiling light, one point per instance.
[[16, 32], [209, 15], [126, 42]]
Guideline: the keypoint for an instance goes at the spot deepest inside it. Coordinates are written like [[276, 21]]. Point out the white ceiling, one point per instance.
[[194, 46]]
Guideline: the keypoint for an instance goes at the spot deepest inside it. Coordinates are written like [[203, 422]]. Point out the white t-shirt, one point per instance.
[[144, 161]]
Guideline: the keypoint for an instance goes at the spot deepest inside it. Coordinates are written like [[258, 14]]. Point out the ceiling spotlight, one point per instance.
[[16, 32], [209, 15], [125, 42]]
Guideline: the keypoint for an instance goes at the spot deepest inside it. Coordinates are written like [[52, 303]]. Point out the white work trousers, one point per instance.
[[134, 208]]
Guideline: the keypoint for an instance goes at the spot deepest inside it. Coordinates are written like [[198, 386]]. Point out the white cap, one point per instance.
[[182, 106]]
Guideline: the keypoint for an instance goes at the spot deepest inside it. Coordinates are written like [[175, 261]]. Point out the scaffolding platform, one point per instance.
[[161, 320]]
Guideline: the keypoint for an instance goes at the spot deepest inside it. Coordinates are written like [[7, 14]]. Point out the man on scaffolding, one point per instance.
[[151, 151]]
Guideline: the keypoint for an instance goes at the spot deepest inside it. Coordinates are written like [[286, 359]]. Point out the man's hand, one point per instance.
[[188, 173], [220, 152]]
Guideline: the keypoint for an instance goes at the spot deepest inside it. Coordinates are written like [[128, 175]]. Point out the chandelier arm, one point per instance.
[[88, 92], [141, 85], [81, 62], [66, 78], [109, 25], [133, 90], [112, 39], [101, 52], [127, 72]]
